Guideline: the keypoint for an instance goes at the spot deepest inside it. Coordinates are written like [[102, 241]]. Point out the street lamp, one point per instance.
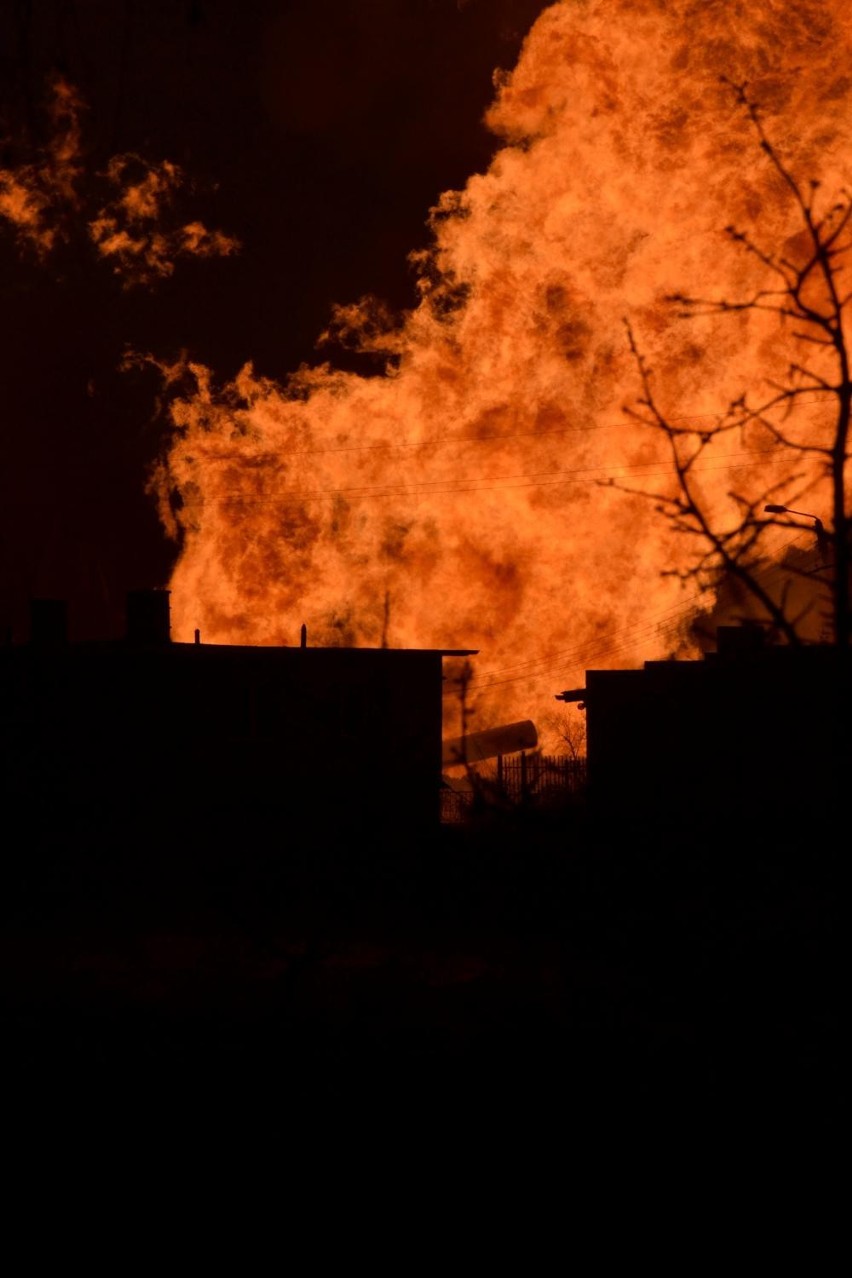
[[819, 528]]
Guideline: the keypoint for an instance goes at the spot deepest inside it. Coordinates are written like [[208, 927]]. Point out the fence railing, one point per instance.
[[534, 780]]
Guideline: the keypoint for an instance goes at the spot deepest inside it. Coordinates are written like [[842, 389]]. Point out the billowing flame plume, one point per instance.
[[456, 499]]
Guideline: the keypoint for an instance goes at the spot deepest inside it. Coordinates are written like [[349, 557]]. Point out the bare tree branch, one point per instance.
[[807, 294]]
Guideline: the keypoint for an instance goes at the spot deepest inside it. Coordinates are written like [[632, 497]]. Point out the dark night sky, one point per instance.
[[318, 132]]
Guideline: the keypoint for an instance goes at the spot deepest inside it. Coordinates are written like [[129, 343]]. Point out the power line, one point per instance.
[[498, 437], [620, 641], [495, 483], [589, 650]]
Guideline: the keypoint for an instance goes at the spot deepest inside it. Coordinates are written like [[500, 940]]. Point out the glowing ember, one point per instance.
[[455, 501]]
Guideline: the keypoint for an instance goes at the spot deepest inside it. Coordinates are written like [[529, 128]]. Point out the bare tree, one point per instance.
[[807, 298], [570, 727]]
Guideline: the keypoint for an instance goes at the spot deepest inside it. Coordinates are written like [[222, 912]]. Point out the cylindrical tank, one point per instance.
[[509, 738]]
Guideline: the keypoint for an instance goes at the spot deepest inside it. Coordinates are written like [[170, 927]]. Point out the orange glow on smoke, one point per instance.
[[455, 501], [127, 212], [35, 196], [129, 230]]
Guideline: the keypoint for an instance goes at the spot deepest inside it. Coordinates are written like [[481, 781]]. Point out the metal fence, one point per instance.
[[540, 777], [524, 780]]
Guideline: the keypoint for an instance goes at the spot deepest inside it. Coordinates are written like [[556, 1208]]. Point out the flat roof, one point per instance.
[[171, 645]]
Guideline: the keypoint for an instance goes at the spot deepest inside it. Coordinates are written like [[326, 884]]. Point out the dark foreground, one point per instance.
[[524, 965]]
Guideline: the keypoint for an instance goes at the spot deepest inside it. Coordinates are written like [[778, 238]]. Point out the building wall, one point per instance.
[[759, 741], [334, 737]]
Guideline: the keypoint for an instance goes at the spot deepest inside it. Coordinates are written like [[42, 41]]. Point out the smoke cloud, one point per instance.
[[459, 499]]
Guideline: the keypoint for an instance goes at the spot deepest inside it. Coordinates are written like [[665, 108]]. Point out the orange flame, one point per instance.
[[35, 197], [454, 501], [129, 229], [41, 199]]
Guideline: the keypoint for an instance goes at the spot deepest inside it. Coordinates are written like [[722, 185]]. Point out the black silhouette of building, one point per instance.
[[752, 739], [146, 729]]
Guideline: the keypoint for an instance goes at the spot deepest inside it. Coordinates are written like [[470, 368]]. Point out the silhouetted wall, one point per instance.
[[310, 737], [750, 738]]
